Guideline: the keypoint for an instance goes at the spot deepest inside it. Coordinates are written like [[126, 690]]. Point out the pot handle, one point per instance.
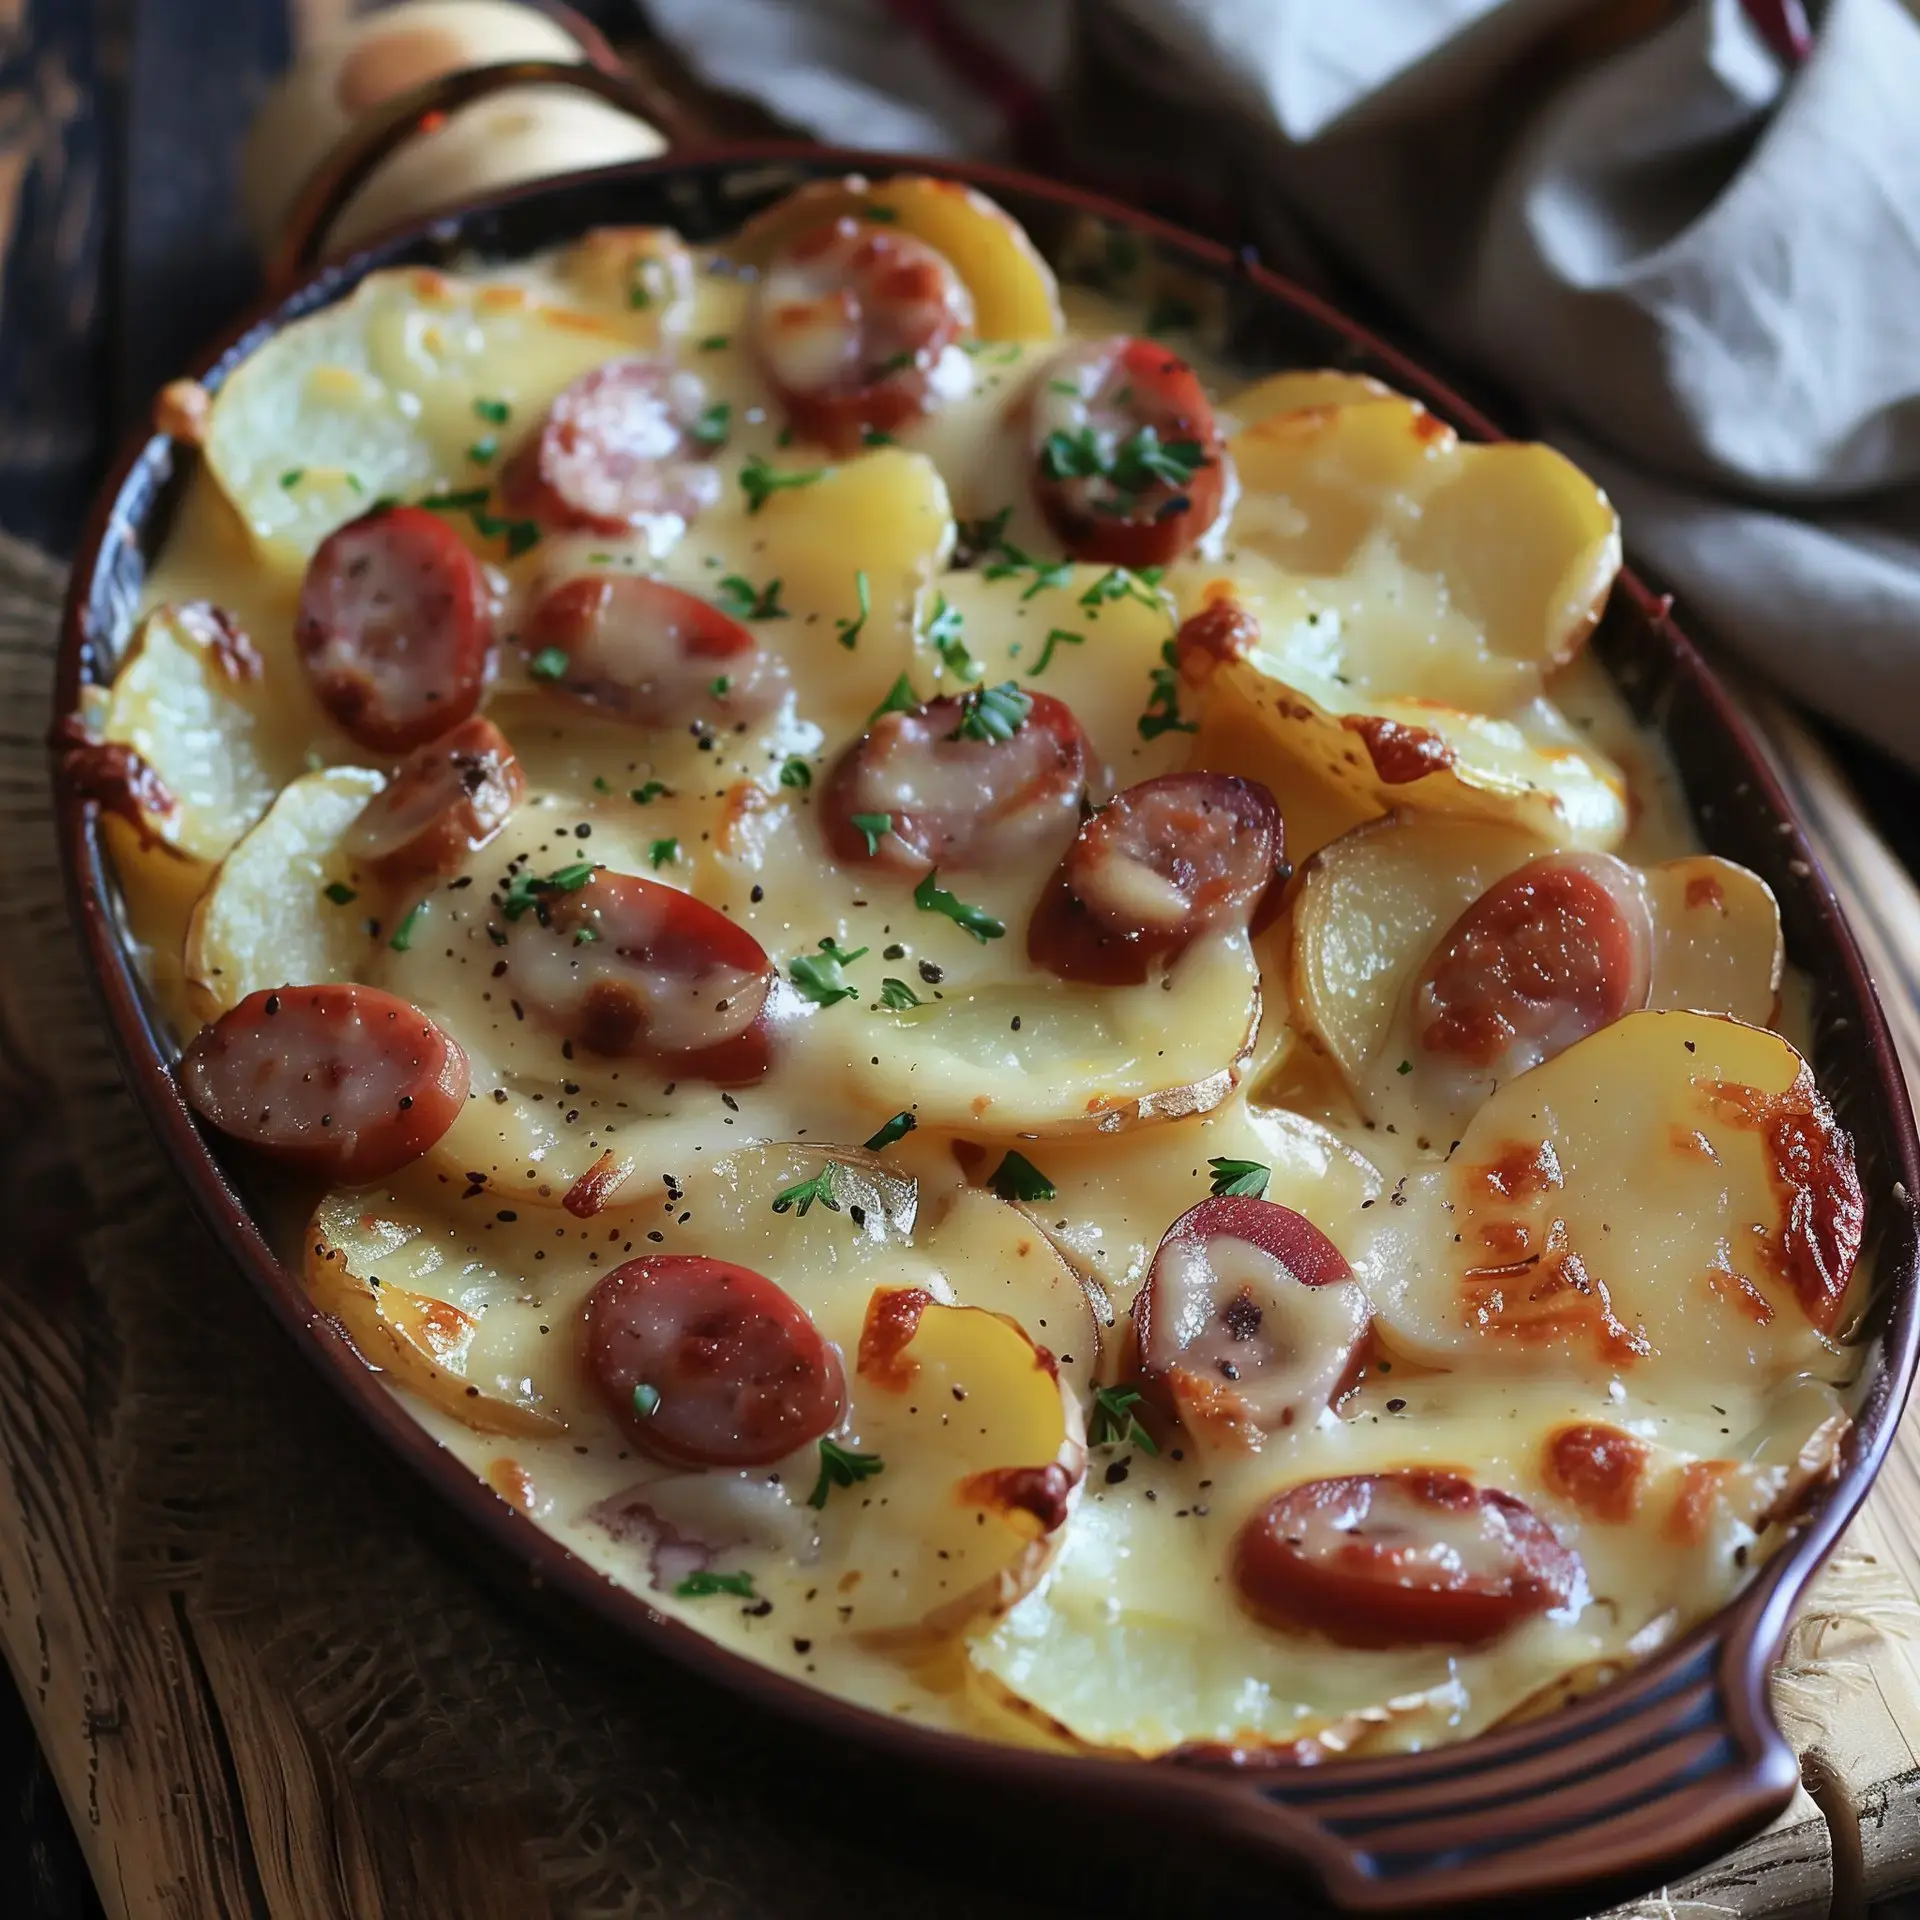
[[1645, 1780], [353, 160]]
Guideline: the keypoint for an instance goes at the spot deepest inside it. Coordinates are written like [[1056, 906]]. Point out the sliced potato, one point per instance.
[[1372, 907], [375, 395], [265, 919], [1300, 388], [1136, 1645], [984, 1456], [1046, 1058], [1717, 945], [885, 515], [1472, 566], [1014, 295], [361, 1251], [1302, 689], [199, 714], [646, 274], [1668, 1200]]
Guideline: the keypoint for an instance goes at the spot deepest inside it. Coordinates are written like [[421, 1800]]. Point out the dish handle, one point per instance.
[[1643, 1781], [388, 127]]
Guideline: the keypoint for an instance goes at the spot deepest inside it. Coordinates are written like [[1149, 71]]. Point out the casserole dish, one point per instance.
[[1659, 1770]]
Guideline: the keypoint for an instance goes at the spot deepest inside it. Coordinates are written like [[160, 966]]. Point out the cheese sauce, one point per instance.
[[1015, 1526]]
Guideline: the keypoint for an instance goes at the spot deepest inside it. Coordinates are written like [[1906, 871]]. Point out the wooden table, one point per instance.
[[120, 127]]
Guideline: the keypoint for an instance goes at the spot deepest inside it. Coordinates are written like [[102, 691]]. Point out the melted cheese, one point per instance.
[[1399, 578]]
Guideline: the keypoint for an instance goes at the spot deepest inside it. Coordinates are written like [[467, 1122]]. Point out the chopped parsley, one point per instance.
[[698, 1586], [872, 826], [585, 936], [794, 772], [1239, 1177], [896, 996], [930, 897], [1010, 560], [340, 893], [800, 1198], [839, 1468], [1114, 1424], [847, 632], [1017, 1178], [643, 283], [996, 353], [713, 425], [292, 477], [483, 450], [403, 934], [716, 342], [720, 686], [873, 437], [760, 482], [885, 214], [1405, 1066], [1163, 704], [496, 413], [646, 795], [526, 890], [897, 1128], [601, 784], [820, 978], [993, 713], [1126, 583], [661, 852], [943, 633], [744, 601], [462, 502], [550, 663], [901, 698], [472, 501], [1056, 637], [646, 1400]]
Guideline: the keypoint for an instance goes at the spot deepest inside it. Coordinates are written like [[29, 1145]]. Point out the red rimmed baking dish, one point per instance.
[[1653, 1774]]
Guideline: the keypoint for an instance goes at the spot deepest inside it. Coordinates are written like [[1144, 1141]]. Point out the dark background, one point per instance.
[[121, 250]]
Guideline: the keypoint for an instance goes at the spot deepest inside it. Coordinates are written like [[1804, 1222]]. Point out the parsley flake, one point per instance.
[[1017, 1178], [1010, 560], [897, 1128], [496, 413], [1163, 704], [715, 342], [1057, 637], [713, 426], [525, 890], [744, 601], [943, 631], [646, 795], [483, 450], [1126, 583], [720, 686], [819, 975], [660, 852], [704, 1583], [292, 477], [847, 632], [901, 698], [800, 1198], [873, 437], [550, 663], [759, 482], [340, 893], [839, 1468], [896, 996], [794, 772], [930, 897], [1405, 1066], [872, 825], [403, 934], [1239, 1177], [1114, 1423], [646, 1400], [993, 713]]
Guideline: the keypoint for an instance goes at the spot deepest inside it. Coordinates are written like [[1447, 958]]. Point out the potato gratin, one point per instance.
[[1003, 1020]]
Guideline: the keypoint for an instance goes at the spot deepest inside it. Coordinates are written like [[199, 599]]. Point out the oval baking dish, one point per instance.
[[1651, 1774]]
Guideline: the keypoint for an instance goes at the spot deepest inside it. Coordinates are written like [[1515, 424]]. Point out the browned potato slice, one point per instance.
[[1300, 388], [1372, 906], [191, 700], [1014, 295], [267, 918], [1669, 1200], [359, 1256]]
